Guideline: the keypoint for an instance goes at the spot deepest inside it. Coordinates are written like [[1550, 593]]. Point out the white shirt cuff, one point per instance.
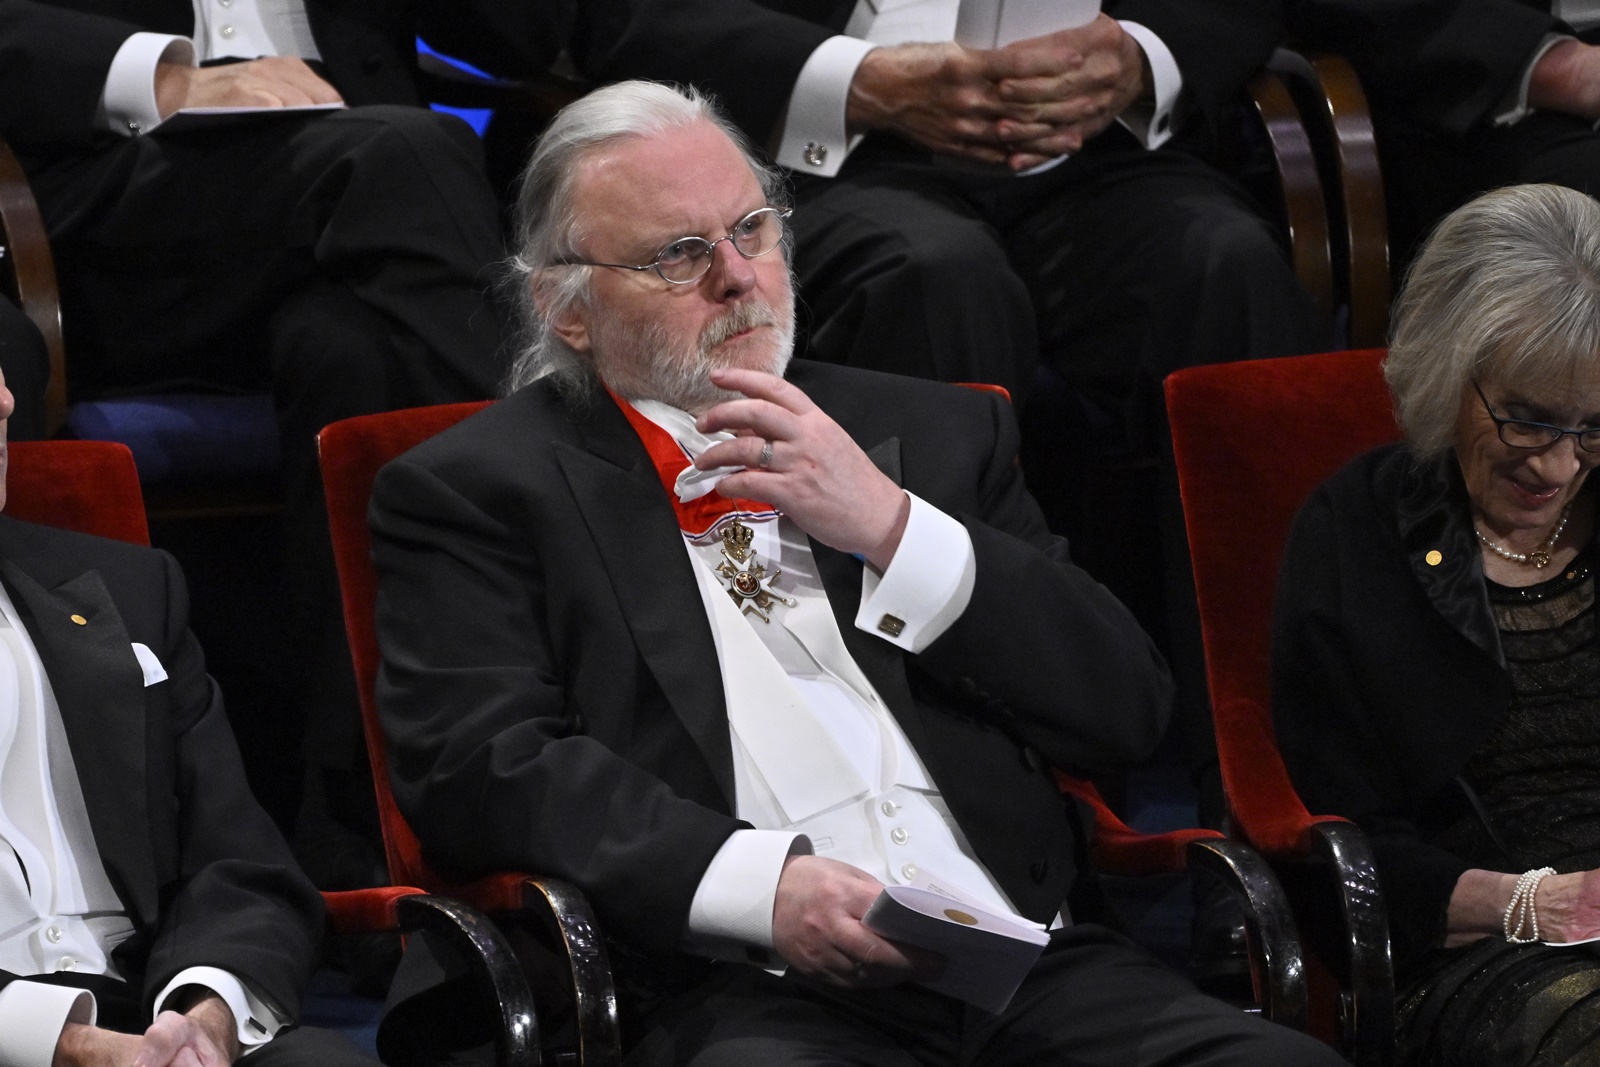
[[730, 917], [1513, 107], [1153, 128], [128, 105], [926, 586], [811, 135], [32, 1016], [255, 1021]]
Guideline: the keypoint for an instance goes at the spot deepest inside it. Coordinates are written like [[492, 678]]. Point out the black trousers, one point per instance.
[[1114, 268], [1093, 999], [344, 261]]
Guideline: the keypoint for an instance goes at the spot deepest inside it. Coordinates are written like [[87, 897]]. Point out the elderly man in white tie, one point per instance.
[[150, 913], [932, 235], [736, 644]]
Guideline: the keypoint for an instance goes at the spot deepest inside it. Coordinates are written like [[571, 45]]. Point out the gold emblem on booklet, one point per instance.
[[749, 581]]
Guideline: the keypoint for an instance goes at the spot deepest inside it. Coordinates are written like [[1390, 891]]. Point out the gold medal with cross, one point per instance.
[[749, 581]]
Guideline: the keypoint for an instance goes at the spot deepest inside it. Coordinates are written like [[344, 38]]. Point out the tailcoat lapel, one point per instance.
[[99, 687], [636, 533]]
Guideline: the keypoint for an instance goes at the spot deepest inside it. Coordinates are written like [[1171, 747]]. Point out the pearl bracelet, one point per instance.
[[1521, 907]]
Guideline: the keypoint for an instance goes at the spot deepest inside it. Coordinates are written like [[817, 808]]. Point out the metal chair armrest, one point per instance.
[[1276, 959]]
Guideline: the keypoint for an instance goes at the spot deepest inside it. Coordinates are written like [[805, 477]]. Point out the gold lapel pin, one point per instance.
[[80, 620], [1434, 558]]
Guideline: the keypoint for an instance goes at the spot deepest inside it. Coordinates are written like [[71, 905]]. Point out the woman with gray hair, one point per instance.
[[1436, 669]]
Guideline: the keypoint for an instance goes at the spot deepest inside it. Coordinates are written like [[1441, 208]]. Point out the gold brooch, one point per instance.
[[748, 579]]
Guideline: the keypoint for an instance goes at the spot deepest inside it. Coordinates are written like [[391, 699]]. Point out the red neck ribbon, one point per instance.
[[701, 517]]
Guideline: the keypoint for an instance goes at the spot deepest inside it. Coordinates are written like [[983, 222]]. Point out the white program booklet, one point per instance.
[[997, 23], [977, 24], [986, 955]]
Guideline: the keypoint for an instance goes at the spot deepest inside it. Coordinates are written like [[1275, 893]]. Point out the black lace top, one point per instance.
[[1538, 774]]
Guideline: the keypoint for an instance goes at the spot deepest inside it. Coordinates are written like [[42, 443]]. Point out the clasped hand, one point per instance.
[[816, 475], [1019, 106], [203, 1036]]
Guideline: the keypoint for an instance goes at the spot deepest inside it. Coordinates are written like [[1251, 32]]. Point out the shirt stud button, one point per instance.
[[890, 808], [53, 935], [227, 32], [909, 871], [899, 836], [66, 963]]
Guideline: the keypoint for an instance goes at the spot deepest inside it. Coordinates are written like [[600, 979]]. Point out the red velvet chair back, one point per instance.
[[1251, 441], [88, 486], [351, 452]]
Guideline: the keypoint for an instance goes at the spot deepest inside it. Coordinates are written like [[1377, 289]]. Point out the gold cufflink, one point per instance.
[[891, 625]]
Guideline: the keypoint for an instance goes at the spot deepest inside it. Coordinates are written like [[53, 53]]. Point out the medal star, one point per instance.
[[749, 581]]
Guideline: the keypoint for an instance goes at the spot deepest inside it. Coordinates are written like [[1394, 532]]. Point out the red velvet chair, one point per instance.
[[1251, 441], [352, 451], [93, 487]]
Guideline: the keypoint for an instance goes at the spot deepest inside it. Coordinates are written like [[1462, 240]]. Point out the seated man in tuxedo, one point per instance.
[[342, 260], [150, 912], [732, 644], [938, 230], [1468, 95]]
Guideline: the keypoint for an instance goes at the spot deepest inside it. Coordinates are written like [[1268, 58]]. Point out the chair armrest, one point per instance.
[[1277, 965], [1367, 1020], [563, 926], [1299, 186], [494, 965], [1340, 124]]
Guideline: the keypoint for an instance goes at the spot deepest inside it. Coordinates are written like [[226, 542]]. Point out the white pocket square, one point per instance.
[[153, 670]]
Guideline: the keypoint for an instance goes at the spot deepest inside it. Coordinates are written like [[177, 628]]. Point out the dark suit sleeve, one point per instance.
[[1218, 45], [53, 65], [1045, 641], [234, 898], [1442, 64], [1329, 722], [490, 756], [745, 53]]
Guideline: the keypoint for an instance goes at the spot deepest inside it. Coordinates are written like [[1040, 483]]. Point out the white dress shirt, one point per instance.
[[812, 138], [820, 764], [58, 910], [243, 29]]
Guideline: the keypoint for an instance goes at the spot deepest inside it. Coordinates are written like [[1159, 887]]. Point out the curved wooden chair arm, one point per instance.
[[1304, 203], [1366, 215], [1339, 121], [28, 274]]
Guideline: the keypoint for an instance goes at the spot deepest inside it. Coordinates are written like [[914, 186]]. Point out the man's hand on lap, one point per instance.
[[816, 928], [277, 81]]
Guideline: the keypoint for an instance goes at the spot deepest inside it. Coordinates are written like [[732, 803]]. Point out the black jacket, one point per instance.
[[203, 873], [549, 683], [1387, 671]]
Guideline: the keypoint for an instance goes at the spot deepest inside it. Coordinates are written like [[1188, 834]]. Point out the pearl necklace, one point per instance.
[[1539, 557]]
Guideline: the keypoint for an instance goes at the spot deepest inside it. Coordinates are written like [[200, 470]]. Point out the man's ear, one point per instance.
[[571, 323]]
